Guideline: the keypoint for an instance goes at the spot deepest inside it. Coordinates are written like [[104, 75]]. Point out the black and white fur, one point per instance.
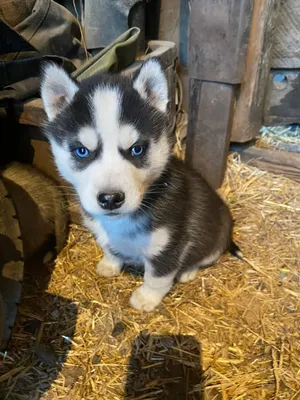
[[171, 220]]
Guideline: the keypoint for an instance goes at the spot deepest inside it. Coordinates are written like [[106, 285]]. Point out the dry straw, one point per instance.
[[245, 317]]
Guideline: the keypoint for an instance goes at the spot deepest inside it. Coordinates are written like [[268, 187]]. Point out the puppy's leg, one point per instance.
[[148, 296], [188, 275], [109, 265], [191, 273]]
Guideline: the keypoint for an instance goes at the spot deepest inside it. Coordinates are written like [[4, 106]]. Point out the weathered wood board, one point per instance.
[[276, 162], [169, 29], [250, 104], [209, 126], [33, 113], [282, 105], [169, 21], [219, 33], [286, 41]]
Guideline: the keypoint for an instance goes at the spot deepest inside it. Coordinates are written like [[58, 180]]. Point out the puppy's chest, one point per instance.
[[129, 238]]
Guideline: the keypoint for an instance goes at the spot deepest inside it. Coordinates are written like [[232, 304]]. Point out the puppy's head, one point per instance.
[[108, 134]]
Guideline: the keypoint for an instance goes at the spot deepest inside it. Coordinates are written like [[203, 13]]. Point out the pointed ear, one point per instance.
[[57, 89], [151, 84]]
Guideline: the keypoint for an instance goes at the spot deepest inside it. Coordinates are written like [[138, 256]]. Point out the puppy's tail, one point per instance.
[[236, 251]]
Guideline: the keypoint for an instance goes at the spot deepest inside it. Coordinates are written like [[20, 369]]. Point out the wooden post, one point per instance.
[[209, 126], [219, 32]]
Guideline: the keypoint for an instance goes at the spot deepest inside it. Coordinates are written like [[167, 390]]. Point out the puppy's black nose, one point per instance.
[[111, 201]]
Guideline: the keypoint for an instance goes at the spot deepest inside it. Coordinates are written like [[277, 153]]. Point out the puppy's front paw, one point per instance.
[[188, 276], [144, 299], [107, 269]]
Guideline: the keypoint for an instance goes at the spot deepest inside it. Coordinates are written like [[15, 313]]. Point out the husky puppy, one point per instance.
[[110, 141]]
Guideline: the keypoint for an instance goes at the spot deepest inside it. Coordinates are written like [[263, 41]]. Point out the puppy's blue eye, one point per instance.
[[137, 150], [82, 152]]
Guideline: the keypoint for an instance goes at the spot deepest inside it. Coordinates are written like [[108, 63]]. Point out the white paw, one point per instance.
[[144, 299], [188, 276], [107, 269]]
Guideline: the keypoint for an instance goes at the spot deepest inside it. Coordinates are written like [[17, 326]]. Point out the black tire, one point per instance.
[[11, 265]]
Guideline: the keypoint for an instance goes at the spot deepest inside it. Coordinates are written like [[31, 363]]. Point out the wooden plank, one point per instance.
[[286, 47], [219, 33], [249, 107], [282, 105], [33, 113], [209, 126], [276, 162], [171, 29], [169, 21]]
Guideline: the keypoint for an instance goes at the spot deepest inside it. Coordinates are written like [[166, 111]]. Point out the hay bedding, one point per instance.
[[243, 319]]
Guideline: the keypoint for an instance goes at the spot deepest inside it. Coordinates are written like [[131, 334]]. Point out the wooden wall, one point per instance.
[[282, 104], [286, 44]]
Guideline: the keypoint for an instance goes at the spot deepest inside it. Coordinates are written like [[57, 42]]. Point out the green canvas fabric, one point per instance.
[[45, 30], [115, 57], [52, 30]]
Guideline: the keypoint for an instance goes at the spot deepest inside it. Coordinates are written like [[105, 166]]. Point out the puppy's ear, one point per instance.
[[57, 89], [151, 84]]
